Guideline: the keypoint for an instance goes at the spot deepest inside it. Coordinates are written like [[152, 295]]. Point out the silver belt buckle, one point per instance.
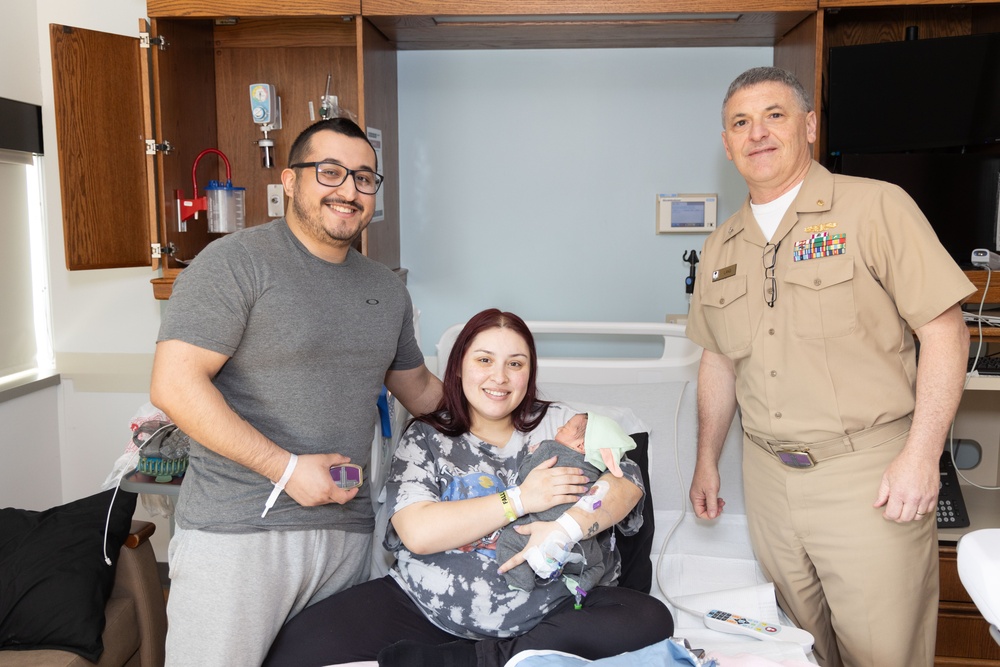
[[795, 458]]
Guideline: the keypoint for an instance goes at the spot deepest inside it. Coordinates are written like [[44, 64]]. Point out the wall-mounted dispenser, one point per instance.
[[265, 107], [328, 107], [223, 202]]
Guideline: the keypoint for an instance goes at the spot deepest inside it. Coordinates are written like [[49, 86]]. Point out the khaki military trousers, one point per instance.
[[866, 588]]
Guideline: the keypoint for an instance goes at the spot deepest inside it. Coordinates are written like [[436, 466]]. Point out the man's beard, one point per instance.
[[314, 221]]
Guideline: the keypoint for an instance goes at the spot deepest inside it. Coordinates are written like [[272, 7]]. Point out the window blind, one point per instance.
[[20, 141]]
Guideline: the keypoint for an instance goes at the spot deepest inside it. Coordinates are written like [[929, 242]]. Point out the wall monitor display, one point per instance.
[[915, 94], [959, 193]]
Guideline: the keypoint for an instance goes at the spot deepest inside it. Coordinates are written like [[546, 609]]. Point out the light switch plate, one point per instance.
[[275, 200]]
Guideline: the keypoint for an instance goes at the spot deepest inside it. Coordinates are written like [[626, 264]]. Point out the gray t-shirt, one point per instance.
[[460, 590], [309, 345]]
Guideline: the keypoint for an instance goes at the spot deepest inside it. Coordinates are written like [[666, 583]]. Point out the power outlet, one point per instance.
[[275, 200]]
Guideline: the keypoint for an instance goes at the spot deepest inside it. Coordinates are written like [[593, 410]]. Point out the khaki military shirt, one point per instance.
[[856, 269]]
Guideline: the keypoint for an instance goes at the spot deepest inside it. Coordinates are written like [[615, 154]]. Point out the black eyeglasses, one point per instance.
[[770, 284], [332, 174]]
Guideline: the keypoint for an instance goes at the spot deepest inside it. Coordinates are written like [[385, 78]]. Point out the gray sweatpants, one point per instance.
[[231, 593]]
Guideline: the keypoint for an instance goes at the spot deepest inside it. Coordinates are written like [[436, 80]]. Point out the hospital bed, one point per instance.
[[644, 375]]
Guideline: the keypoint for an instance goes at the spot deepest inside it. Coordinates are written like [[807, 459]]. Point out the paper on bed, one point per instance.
[[693, 574], [751, 653], [752, 602], [697, 556]]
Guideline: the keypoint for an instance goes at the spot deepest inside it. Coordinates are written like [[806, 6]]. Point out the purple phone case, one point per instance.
[[346, 476]]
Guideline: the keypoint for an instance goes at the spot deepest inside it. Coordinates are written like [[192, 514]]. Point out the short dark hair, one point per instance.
[[758, 75], [344, 126], [452, 417]]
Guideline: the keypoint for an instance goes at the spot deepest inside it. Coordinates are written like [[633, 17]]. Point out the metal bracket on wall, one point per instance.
[[145, 41], [152, 147]]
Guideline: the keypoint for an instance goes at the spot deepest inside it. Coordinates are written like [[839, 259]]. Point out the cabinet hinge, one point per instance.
[[145, 41], [160, 251], [152, 147]]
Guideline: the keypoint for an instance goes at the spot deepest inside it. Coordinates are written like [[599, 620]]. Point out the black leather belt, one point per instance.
[[806, 454]]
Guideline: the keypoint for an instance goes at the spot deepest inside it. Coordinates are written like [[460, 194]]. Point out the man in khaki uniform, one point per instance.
[[806, 303]]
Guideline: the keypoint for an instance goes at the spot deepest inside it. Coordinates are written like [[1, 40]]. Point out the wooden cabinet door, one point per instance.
[[104, 171]]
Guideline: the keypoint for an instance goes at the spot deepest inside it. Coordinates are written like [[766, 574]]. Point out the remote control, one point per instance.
[[724, 621]]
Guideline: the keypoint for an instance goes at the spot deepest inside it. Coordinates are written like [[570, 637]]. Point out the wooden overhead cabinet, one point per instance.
[[182, 88]]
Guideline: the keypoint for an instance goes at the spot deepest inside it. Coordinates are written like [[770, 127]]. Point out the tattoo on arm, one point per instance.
[[593, 530]]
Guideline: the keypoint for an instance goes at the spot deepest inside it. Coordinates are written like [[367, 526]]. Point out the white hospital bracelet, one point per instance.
[[279, 486], [514, 493], [571, 527]]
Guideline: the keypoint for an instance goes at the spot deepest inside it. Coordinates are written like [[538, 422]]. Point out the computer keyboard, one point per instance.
[[986, 365]]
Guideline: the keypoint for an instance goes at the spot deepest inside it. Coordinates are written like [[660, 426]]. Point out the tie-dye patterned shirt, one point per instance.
[[460, 590]]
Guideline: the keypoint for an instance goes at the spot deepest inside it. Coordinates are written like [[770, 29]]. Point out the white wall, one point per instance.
[[529, 178], [20, 45], [30, 461]]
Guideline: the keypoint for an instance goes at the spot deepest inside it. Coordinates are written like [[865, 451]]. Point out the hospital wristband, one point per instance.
[[508, 507], [571, 527], [514, 493], [279, 486]]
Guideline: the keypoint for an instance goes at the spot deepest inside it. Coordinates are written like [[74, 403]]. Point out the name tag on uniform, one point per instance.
[[722, 274]]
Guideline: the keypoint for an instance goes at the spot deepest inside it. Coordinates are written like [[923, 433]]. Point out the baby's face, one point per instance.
[[571, 433]]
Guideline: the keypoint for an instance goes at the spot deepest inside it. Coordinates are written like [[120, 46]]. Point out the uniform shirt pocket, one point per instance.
[[821, 293], [728, 313]]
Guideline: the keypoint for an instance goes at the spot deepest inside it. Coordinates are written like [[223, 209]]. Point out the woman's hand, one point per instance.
[[547, 487]]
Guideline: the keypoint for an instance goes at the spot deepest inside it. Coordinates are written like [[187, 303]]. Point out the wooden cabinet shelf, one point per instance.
[[990, 285], [546, 24], [274, 8], [963, 636]]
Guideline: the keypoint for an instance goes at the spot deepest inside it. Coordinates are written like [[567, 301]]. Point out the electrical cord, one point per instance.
[[125, 469], [980, 319], [673, 528]]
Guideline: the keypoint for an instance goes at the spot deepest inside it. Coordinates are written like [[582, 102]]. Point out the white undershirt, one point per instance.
[[769, 215]]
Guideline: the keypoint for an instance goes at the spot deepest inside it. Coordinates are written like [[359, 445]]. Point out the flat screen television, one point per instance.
[[914, 95], [958, 192]]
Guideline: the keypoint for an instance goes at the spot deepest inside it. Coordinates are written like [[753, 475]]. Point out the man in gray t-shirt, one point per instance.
[[271, 355]]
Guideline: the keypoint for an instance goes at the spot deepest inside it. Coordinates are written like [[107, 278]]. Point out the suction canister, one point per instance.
[[226, 212]]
